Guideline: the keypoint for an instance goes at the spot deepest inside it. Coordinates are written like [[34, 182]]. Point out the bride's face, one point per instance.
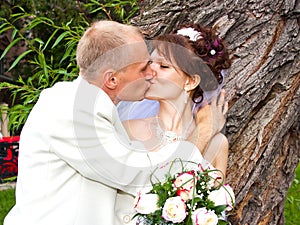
[[169, 82]]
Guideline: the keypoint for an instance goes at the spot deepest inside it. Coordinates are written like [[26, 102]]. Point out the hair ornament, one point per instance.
[[212, 52], [190, 32], [217, 42], [212, 47]]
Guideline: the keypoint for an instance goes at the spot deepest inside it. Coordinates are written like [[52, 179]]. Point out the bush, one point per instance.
[[50, 47]]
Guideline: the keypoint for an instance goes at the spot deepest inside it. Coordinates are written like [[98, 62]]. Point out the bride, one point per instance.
[[182, 85], [179, 89]]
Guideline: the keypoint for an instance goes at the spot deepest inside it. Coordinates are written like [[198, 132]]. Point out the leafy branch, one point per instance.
[[50, 49]]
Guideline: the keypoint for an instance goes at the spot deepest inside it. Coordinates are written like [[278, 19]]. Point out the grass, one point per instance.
[[7, 200], [292, 203], [291, 210]]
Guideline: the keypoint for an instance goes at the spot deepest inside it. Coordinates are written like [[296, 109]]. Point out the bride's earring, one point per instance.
[[186, 96]]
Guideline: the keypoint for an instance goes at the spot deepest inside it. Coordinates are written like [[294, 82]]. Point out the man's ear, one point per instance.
[[110, 80], [192, 82]]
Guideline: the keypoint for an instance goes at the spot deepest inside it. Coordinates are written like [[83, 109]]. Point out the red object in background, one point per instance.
[[9, 150]]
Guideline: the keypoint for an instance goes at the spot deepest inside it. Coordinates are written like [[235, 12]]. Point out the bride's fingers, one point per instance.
[[202, 113], [225, 108], [221, 100], [213, 101]]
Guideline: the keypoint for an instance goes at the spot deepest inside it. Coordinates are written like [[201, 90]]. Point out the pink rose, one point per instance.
[[185, 182], [202, 216], [174, 210]]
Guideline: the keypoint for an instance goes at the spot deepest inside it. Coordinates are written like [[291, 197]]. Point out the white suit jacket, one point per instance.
[[73, 155]]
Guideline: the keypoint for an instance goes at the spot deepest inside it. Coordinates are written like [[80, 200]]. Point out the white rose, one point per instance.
[[146, 203], [223, 196], [174, 210], [202, 216]]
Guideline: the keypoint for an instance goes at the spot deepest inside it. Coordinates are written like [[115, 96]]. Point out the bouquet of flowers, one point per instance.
[[190, 197]]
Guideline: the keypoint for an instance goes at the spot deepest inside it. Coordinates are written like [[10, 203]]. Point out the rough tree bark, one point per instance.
[[263, 88]]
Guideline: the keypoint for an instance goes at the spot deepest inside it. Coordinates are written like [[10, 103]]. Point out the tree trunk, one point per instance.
[[262, 89]]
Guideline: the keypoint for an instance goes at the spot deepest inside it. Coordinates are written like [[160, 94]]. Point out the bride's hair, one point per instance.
[[203, 42], [211, 48]]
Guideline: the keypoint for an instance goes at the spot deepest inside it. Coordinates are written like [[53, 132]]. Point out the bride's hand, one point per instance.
[[212, 116]]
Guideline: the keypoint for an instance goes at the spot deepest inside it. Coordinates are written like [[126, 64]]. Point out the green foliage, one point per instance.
[[50, 40], [118, 10], [59, 11], [41, 59]]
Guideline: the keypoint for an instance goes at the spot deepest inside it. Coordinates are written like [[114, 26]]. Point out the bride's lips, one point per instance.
[[149, 83]]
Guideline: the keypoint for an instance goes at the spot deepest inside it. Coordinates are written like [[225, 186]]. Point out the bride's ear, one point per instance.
[[192, 82], [110, 79]]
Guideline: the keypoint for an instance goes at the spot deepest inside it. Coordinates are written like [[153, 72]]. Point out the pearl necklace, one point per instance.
[[166, 136]]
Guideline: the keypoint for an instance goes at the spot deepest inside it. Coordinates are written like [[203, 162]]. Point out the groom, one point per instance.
[[74, 152]]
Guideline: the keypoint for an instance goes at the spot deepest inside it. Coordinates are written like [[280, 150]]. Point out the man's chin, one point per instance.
[[151, 97]]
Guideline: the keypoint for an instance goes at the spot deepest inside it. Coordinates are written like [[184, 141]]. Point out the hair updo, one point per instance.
[[211, 49]]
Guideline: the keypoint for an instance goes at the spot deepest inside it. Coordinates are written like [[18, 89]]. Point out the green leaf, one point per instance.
[[34, 23], [68, 23], [5, 23], [10, 46], [60, 38], [43, 65], [220, 208], [66, 55], [16, 14], [5, 29], [96, 10], [19, 58], [222, 222], [45, 19], [15, 31], [23, 15], [39, 41]]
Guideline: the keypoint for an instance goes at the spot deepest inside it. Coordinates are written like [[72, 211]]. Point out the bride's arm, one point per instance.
[[210, 120], [217, 153]]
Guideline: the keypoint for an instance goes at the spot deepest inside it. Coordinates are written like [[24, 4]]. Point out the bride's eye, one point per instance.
[[164, 66]]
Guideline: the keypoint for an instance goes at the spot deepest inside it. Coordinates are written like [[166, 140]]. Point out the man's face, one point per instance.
[[134, 78], [135, 81]]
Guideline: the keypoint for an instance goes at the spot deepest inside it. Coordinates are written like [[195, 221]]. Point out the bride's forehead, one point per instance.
[[159, 56]]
